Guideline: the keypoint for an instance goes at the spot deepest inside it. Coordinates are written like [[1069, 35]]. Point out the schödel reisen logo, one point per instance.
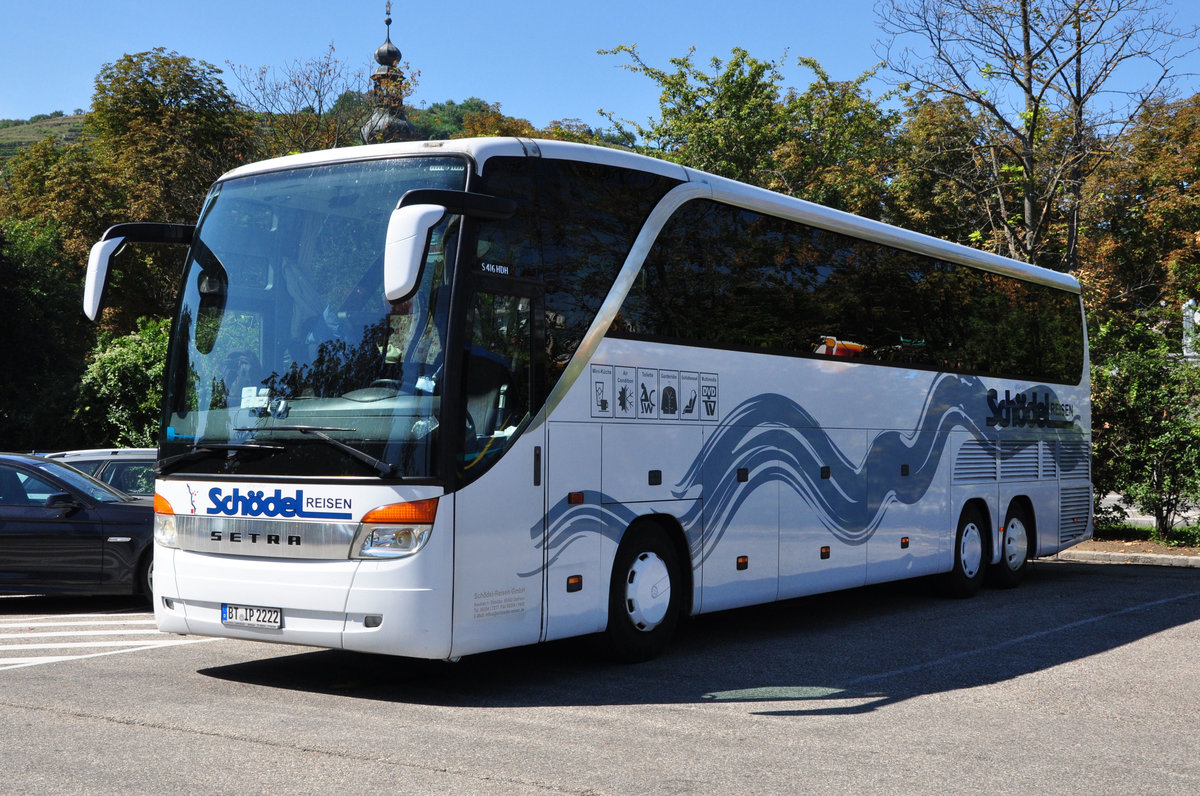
[[257, 503]]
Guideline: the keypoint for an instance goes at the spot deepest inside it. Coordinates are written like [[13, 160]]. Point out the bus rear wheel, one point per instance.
[[970, 548], [644, 596], [1014, 551]]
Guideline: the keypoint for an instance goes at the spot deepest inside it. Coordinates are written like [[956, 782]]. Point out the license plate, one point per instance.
[[251, 616]]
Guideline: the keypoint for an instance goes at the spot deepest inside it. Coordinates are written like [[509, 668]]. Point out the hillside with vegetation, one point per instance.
[[16, 134]]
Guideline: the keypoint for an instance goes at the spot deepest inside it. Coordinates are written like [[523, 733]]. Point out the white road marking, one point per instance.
[[71, 637]]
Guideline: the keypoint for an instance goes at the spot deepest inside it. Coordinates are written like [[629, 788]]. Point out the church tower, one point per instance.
[[387, 123]]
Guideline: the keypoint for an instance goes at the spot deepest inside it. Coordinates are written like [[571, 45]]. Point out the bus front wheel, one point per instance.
[[969, 554], [644, 595]]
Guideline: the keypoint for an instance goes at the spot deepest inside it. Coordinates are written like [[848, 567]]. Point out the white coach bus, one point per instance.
[[437, 398]]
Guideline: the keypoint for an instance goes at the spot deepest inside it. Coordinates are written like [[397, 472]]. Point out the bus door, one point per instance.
[[500, 512]]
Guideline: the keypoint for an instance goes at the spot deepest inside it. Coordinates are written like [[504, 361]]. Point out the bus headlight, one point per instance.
[[165, 532], [394, 531]]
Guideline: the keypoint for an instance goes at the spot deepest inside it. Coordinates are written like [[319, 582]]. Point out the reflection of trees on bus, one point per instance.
[[337, 368], [574, 224], [723, 276]]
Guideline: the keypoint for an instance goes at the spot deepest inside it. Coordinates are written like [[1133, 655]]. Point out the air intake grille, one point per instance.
[[1073, 460], [1076, 507], [1049, 469], [975, 462], [1018, 461]]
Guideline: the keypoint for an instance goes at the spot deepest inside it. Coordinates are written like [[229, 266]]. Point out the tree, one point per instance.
[[64, 186], [491, 122], [940, 170], [840, 144], [1039, 73], [164, 127], [443, 120], [307, 105], [1146, 419], [45, 338], [121, 390], [729, 122], [831, 143], [1143, 212]]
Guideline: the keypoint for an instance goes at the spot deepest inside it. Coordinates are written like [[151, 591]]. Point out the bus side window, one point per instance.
[[496, 378]]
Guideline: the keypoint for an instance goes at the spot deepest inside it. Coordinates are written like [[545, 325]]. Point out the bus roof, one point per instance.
[[761, 200]]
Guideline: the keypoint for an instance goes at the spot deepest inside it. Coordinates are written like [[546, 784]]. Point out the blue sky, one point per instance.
[[536, 58]]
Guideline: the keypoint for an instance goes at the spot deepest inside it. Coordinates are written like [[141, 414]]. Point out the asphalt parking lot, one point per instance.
[[1085, 679]]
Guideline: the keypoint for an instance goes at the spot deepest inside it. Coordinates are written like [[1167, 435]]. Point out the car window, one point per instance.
[[18, 488], [86, 465], [136, 478], [87, 485]]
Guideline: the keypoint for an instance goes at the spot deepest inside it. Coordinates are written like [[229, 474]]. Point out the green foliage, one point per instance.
[[121, 391], [840, 145], [729, 122], [1145, 211], [45, 337], [443, 120], [1146, 419], [1038, 77], [18, 133], [1185, 537], [832, 143]]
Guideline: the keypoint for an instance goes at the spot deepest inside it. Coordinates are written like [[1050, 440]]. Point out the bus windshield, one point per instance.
[[286, 356]]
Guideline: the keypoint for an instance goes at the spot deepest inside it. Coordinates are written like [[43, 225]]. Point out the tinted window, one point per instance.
[[80, 482], [574, 226], [719, 275]]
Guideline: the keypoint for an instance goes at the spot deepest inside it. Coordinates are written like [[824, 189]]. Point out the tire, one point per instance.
[[145, 576], [644, 596], [1009, 571], [970, 548]]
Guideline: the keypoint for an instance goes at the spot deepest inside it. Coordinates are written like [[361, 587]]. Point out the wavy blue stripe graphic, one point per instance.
[[776, 440]]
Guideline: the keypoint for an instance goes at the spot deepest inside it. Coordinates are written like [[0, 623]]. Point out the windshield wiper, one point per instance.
[[206, 449], [379, 465]]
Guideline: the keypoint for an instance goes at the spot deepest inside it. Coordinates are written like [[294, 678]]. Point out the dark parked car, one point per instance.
[[128, 469], [63, 531]]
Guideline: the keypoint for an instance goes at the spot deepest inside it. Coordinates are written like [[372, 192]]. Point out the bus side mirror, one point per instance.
[[404, 248], [419, 211], [111, 242], [97, 274]]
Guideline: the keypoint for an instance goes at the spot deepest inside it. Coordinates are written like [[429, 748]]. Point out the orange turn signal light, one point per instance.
[[161, 506], [417, 512]]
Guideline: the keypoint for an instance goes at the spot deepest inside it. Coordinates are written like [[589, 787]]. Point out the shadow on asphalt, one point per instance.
[[840, 653], [57, 604]]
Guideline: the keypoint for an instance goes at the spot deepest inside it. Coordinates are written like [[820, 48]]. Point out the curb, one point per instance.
[[1151, 559]]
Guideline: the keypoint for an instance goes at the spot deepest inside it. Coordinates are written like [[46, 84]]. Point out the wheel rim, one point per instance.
[[1016, 544], [970, 550], [647, 591]]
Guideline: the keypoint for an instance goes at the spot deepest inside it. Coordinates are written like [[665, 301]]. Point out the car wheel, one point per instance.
[[145, 580]]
